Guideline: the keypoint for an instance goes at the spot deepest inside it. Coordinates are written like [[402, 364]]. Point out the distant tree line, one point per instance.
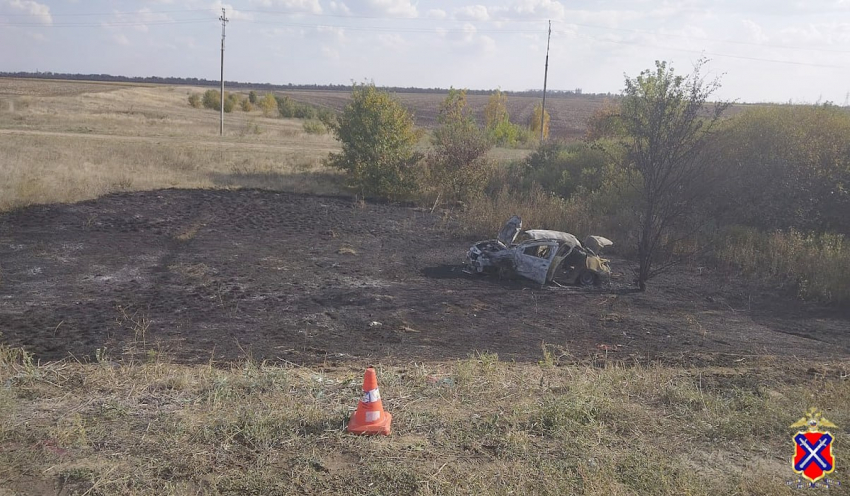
[[277, 87]]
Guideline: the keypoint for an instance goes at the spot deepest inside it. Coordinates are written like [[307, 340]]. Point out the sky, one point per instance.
[[762, 50]]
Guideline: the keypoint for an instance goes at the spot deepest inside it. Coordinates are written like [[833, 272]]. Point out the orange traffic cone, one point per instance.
[[370, 417]]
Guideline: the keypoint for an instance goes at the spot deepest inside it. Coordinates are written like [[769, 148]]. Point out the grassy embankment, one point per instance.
[[475, 426]]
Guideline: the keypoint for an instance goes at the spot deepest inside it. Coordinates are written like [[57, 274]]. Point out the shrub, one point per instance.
[[289, 108], [605, 122], [302, 111], [314, 127], [285, 106], [789, 168], [816, 265], [252, 97], [457, 160], [195, 100], [562, 169], [246, 105], [268, 104], [534, 124], [327, 117], [378, 138], [212, 99], [504, 133]]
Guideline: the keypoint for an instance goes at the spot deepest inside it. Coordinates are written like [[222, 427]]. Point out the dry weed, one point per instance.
[[475, 426]]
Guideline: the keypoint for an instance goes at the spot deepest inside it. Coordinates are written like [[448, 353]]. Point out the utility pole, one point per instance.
[[545, 77], [224, 20]]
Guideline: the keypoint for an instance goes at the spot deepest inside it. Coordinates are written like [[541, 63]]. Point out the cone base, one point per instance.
[[381, 427]]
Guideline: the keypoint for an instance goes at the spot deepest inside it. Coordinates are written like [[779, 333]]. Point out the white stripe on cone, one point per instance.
[[372, 416], [371, 396]]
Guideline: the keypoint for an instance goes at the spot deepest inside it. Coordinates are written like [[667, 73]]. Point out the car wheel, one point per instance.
[[586, 278]]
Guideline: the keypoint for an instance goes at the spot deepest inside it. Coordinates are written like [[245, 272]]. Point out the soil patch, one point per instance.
[[216, 274]]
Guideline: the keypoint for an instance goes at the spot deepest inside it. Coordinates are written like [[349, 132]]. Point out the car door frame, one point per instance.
[[531, 266]]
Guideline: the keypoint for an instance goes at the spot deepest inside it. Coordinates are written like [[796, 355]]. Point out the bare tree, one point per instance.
[[668, 122]]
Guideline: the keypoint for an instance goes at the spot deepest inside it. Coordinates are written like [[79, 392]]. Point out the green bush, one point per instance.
[[212, 99], [314, 127], [291, 109], [252, 97], [285, 106], [195, 100], [378, 138], [564, 168], [789, 168], [457, 161]]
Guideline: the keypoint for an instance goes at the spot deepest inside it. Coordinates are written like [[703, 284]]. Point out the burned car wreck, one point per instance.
[[540, 255]]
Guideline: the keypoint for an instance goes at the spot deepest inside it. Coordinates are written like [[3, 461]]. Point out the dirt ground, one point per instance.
[[218, 274]]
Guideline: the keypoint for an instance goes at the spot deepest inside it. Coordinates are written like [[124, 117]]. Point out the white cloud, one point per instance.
[[295, 6], [230, 11], [121, 39], [330, 53], [467, 33], [441, 14], [608, 18], [187, 41], [540, 9], [332, 31], [137, 21], [37, 36], [145, 16], [755, 31], [486, 44], [339, 8], [472, 13], [392, 42], [392, 8], [32, 8]]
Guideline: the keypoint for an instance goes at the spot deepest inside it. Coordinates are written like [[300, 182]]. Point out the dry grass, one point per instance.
[[79, 146], [817, 266], [72, 141], [485, 215], [475, 426]]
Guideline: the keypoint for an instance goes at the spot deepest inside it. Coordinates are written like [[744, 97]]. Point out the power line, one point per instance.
[[744, 57], [370, 28], [109, 24], [95, 14], [414, 29], [736, 42]]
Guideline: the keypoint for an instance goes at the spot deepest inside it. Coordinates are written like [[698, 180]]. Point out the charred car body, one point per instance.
[[541, 255]]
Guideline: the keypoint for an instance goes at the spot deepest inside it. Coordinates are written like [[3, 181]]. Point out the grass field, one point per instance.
[[140, 423], [71, 141], [76, 144]]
